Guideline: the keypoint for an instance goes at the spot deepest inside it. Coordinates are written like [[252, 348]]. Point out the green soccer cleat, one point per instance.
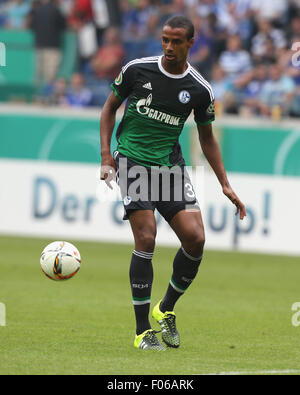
[[148, 341], [167, 323]]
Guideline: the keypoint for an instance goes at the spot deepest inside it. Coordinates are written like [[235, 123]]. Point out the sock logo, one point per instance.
[[140, 286], [187, 280]]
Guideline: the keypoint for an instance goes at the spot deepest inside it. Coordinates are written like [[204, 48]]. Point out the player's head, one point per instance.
[[177, 38]]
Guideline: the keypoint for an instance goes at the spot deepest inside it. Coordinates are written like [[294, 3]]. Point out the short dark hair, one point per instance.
[[181, 22]]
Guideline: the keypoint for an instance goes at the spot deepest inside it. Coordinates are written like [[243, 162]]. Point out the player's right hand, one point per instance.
[[108, 169]]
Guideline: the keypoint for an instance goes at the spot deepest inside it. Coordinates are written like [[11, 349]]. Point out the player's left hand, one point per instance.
[[240, 207]]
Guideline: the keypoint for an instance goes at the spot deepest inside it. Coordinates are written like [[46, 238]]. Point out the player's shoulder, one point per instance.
[[140, 62], [200, 83]]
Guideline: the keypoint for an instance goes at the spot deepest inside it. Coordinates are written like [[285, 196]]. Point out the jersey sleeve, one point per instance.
[[123, 84], [204, 114]]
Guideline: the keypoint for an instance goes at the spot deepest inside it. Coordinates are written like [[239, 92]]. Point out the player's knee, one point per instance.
[[194, 243], [145, 241], [200, 240]]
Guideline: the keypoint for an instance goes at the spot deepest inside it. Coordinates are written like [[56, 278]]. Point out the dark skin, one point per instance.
[[187, 225]]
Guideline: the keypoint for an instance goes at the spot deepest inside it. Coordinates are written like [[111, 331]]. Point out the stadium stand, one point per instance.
[[243, 47]]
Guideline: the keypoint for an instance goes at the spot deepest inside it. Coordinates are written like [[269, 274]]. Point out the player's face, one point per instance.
[[175, 45]]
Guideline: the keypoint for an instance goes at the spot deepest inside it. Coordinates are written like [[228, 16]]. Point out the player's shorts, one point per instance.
[[157, 187]]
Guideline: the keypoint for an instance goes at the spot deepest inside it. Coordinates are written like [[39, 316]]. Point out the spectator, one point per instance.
[[17, 13], [203, 8], [55, 93], [175, 7], [143, 21], [240, 18], [128, 19], [272, 10], [222, 88], [106, 13], [107, 62], [138, 27], [106, 65], [78, 95], [235, 60], [66, 7], [4, 6], [200, 54], [48, 24], [293, 9], [269, 55], [292, 64], [279, 91], [81, 20], [81, 13], [265, 33], [293, 71], [294, 31], [253, 91]]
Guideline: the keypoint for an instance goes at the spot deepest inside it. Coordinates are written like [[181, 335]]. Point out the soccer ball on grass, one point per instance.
[[60, 260]]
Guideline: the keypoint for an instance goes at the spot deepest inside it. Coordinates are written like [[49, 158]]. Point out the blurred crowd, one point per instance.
[[247, 49]]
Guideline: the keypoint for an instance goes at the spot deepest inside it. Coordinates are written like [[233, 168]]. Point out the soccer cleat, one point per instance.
[[167, 323], [148, 341]]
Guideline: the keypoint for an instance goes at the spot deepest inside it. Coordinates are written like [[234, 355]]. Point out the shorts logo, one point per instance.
[[184, 97], [127, 200], [119, 79]]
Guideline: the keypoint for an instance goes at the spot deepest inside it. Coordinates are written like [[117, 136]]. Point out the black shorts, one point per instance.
[[157, 187]]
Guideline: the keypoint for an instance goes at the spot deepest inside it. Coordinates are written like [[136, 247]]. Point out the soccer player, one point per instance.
[[161, 92]]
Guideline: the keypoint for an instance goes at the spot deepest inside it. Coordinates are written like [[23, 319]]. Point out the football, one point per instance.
[[60, 260]]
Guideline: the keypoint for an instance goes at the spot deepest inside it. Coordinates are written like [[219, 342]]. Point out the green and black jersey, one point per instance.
[[158, 105]]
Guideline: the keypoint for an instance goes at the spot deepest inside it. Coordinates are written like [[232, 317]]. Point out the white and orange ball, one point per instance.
[[60, 260]]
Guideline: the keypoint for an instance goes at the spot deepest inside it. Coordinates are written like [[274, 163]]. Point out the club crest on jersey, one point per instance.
[[119, 79], [184, 97]]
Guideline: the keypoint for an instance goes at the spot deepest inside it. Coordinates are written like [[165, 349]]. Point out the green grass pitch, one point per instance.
[[236, 317]]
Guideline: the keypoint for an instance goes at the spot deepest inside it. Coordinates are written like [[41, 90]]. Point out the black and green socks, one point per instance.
[[185, 269], [141, 278]]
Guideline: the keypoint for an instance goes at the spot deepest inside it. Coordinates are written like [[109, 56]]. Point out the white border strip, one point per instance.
[[257, 372], [142, 254], [141, 302]]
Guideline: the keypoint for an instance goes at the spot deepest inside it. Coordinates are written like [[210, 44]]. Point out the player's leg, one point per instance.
[[188, 227], [140, 213], [143, 225]]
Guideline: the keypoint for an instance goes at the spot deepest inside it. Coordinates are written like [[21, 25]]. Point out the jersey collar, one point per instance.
[[176, 76]]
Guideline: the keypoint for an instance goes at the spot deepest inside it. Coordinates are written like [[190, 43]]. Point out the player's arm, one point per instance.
[[212, 152], [107, 124]]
